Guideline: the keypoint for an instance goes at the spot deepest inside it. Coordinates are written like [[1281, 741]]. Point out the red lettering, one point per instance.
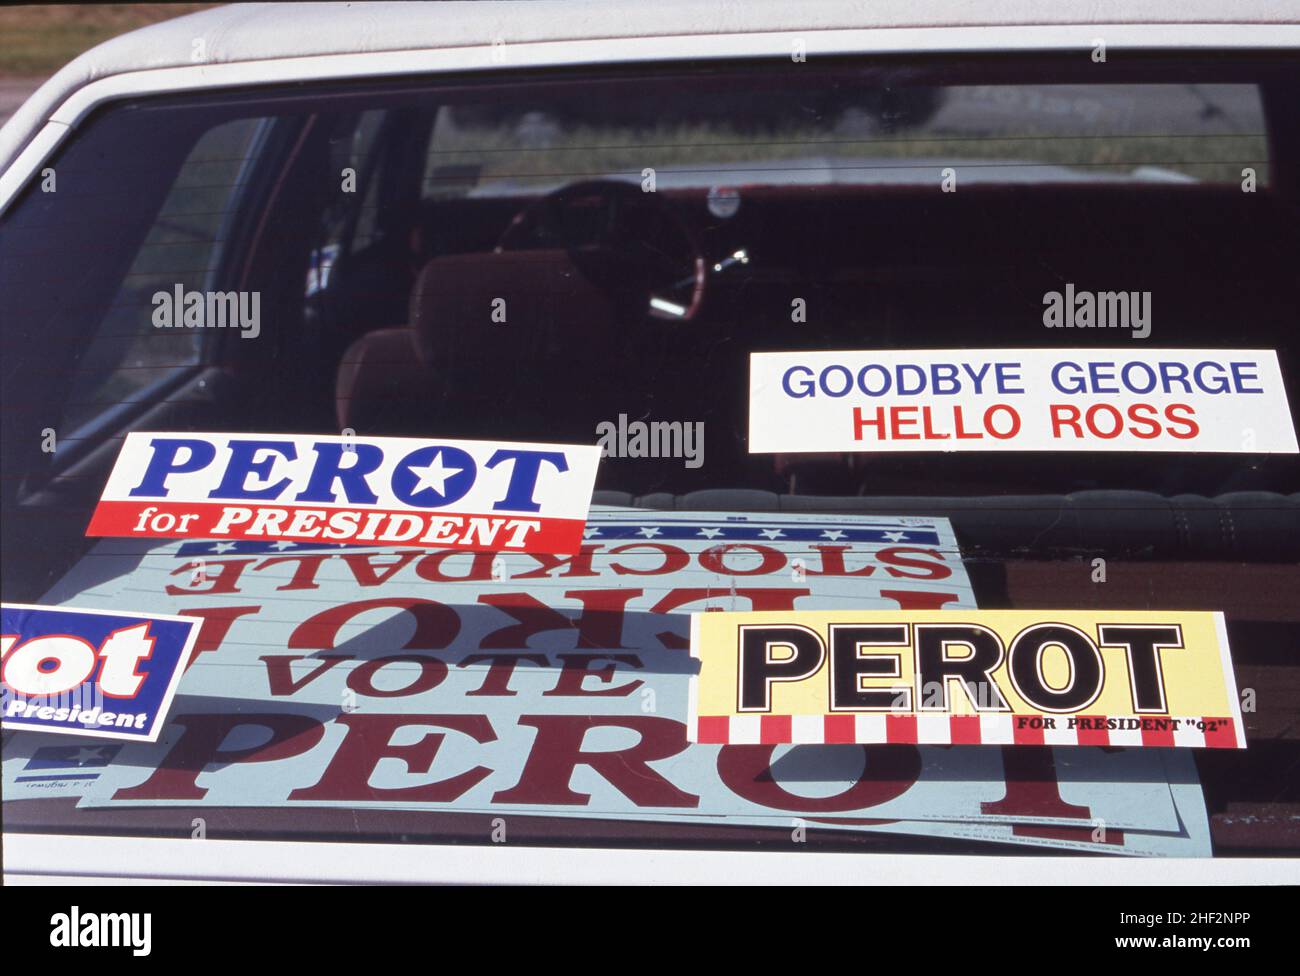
[[1145, 425], [578, 667], [432, 672], [557, 752], [224, 581], [501, 668], [1116, 420], [1011, 431], [1032, 788], [577, 565], [215, 626], [1187, 427], [930, 433], [279, 674], [436, 625], [1065, 415], [961, 433], [918, 599], [897, 421], [714, 559], [599, 624], [832, 563], [887, 773], [860, 422], [304, 577], [370, 739], [367, 572], [675, 559], [175, 778], [430, 567], [897, 556]]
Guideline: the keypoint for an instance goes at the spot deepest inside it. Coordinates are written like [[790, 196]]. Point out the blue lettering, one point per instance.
[[1102, 373], [1220, 384], [848, 381], [1076, 382], [1126, 377], [807, 388], [1008, 373], [523, 478], [918, 372], [945, 379], [976, 377], [328, 469], [242, 465], [1240, 377], [885, 380], [164, 463]]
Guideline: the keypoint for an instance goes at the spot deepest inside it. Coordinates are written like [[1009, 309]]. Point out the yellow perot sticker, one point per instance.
[[1010, 677]]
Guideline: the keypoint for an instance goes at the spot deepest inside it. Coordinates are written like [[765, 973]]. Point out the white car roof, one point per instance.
[[273, 31], [256, 31]]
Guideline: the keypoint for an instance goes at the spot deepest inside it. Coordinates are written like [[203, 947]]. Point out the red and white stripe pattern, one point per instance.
[[943, 729]]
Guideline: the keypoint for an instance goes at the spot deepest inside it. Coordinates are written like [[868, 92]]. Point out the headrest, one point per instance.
[[530, 306]]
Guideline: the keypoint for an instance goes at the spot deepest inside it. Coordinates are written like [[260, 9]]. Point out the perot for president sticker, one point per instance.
[[1208, 400], [387, 491], [90, 672], [1009, 677]]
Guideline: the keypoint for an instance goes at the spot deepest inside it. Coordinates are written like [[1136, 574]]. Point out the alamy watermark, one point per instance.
[[76, 929], [181, 309], [1098, 310], [652, 439]]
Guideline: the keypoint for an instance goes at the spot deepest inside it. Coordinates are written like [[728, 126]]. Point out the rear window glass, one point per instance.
[[593, 258]]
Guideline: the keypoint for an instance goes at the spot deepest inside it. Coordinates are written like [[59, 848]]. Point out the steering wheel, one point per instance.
[[632, 244]]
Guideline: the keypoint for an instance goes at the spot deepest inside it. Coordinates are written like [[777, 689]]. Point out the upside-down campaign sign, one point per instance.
[[90, 672], [368, 490], [1207, 400], [1010, 677], [457, 687]]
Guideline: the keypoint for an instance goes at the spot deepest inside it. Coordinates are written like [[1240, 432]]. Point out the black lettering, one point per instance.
[[848, 666], [1143, 645], [759, 669], [1025, 666]]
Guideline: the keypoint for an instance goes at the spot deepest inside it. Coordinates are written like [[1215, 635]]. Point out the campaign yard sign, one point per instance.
[[1006, 677], [1229, 401], [461, 686], [90, 672], [365, 490]]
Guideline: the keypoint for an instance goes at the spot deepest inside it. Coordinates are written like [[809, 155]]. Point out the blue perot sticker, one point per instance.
[[90, 672]]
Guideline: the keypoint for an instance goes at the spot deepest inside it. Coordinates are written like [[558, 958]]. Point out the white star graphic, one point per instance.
[[772, 533], [282, 545], [591, 532], [83, 756], [649, 532], [833, 534], [710, 533], [434, 475], [895, 536], [223, 547]]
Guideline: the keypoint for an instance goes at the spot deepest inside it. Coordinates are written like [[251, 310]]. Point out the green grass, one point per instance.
[[585, 152], [38, 39]]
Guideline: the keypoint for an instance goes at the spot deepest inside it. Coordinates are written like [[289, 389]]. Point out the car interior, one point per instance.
[[457, 300]]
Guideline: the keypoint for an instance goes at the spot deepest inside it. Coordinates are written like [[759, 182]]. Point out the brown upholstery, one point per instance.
[[454, 361], [549, 306], [379, 368]]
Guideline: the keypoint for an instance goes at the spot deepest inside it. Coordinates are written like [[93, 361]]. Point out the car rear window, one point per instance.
[[593, 257]]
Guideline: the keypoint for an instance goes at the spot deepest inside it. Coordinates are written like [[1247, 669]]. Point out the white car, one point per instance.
[[565, 223]]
